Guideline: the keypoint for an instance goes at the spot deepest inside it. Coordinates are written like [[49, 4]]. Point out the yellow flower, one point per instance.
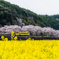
[[12, 35], [32, 39], [29, 38], [2, 37], [12, 32], [6, 39], [42, 49], [15, 38]]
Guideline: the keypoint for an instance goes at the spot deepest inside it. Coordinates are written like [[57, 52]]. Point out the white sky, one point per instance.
[[42, 7]]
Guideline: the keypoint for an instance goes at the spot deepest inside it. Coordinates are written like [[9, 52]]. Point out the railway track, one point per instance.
[[32, 37]]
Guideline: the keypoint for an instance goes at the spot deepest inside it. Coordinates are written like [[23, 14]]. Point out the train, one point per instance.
[[22, 33]]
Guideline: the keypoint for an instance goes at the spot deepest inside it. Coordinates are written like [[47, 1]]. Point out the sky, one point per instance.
[[40, 7]]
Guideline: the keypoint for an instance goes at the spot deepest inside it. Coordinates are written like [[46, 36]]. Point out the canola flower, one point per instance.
[[6, 39], [15, 38], [29, 49], [2, 37], [12, 35]]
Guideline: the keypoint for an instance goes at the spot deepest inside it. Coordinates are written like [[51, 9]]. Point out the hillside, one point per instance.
[[10, 12], [50, 21]]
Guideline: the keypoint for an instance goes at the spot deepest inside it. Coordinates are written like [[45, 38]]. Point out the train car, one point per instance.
[[22, 33]]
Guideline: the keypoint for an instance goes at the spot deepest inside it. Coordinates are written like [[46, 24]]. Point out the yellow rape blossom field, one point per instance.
[[29, 49]]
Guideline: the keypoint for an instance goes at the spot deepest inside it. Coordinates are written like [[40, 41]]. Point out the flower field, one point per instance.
[[29, 49]]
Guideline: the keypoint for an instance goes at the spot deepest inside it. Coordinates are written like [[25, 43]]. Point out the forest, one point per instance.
[[9, 13]]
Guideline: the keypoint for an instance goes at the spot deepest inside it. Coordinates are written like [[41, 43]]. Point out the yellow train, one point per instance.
[[22, 33]]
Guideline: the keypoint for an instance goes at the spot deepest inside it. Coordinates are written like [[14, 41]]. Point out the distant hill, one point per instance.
[[10, 12], [50, 21]]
